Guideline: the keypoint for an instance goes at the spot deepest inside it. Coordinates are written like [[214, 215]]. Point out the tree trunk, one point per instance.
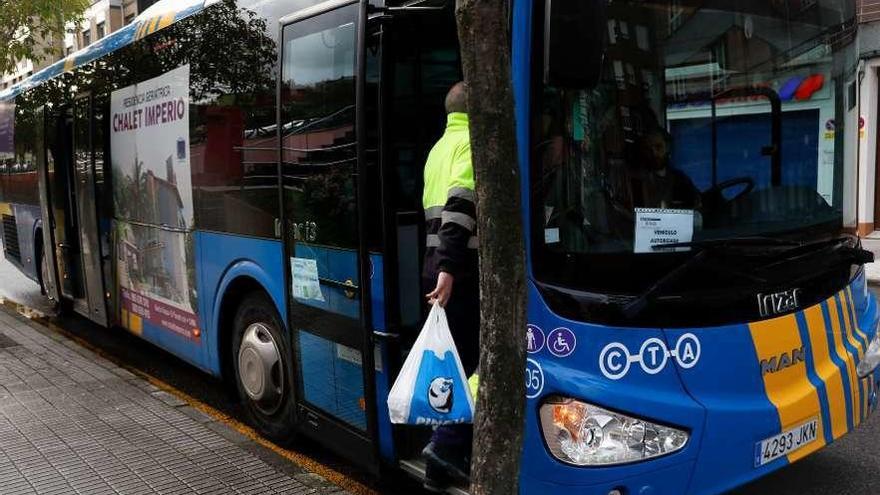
[[498, 424]]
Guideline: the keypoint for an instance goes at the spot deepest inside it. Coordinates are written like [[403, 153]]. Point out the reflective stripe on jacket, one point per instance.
[[449, 202]]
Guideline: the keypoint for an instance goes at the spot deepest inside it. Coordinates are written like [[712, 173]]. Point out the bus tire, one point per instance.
[[263, 367], [45, 276]]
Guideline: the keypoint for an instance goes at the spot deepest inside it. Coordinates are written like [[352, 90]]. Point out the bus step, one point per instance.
[[416, 468]]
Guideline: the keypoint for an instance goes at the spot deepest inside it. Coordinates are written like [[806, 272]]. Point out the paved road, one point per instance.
[[849, 466]]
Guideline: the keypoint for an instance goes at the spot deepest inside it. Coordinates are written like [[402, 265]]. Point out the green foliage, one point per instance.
[[24, 24]]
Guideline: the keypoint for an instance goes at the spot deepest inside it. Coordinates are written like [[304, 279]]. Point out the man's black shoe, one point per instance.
[[436, 478], [453, 461]]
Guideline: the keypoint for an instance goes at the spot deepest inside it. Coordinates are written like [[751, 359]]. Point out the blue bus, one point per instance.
[[239, 183]]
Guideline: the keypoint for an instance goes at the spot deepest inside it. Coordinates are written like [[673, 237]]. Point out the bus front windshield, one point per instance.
[[711, 120]]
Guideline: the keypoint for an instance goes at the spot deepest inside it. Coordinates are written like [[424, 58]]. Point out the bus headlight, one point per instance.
[[871, 358], [587, 435]]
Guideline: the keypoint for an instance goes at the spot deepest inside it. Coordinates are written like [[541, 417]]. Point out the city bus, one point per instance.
[[239, 183]]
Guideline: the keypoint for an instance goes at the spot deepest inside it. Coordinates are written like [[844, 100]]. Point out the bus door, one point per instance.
[[85, 199], [420, 63], [324, 191], [62, 205], [48, 273], [72, 211]]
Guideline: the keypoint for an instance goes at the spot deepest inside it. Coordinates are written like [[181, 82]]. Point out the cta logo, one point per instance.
[[616, 359]]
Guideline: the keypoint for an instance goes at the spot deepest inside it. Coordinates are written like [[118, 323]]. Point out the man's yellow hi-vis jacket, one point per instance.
[[449, 202]]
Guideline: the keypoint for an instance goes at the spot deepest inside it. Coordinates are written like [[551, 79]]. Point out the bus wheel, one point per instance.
[[263, 369]]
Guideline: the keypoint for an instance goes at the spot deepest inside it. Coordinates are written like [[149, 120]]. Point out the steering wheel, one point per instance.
[[729, 183]]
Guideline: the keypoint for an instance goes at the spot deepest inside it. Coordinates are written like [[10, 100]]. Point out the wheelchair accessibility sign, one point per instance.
[[615, 359], [561, 342]]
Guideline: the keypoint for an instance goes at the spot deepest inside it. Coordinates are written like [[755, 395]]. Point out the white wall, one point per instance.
[[867, 141]]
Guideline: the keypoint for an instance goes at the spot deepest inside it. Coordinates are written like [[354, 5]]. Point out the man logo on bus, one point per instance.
[[440, 394], [784, 360]]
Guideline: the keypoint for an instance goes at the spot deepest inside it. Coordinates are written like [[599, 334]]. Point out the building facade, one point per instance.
[[866, 196]]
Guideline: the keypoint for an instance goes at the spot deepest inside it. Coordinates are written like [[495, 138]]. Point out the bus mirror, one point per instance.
[[574, 42]]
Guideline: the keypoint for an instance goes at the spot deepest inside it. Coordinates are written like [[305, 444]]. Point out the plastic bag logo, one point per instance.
[[440, 394]]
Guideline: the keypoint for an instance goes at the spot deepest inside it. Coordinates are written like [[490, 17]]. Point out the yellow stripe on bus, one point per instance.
[[154, 24], [862, 340], [143, 29], [854, 343], [850, 334], [861, 334], [165, 21], [827, 370], [136, 324], [789, 389], [847, 358]]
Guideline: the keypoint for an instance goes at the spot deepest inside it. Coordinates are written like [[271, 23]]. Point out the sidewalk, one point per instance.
[[72, 422], [872, 270]]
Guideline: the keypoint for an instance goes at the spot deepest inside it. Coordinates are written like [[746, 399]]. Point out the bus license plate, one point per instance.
[[788, 441]]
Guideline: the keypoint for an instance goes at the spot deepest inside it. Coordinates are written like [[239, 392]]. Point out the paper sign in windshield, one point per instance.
[[306, 286], [658, 226]]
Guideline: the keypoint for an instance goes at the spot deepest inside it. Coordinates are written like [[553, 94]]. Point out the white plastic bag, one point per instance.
[[432, 388]]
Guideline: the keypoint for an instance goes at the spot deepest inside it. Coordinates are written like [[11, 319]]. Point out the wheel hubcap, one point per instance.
[[260, 368]]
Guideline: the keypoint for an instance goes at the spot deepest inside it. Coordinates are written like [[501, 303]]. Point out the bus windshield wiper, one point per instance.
[[796, 251], [854, 254], [756, 241], [634, 307]]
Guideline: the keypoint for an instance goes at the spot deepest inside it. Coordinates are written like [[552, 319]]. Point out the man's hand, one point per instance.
[[443, 291]]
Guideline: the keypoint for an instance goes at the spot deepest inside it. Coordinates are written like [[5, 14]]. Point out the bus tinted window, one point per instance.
[[18, 164], [232, 133], [318, 127]]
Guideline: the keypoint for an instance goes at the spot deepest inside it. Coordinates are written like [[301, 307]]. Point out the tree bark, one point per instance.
[[498, 423]]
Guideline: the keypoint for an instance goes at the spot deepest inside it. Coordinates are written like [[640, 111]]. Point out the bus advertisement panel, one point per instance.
[[149, 142]]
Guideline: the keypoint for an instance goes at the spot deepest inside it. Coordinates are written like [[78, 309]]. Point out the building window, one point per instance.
[[643, 40], [87, 37], [676, 15], [100, 29], [619, 74], [623, 29]]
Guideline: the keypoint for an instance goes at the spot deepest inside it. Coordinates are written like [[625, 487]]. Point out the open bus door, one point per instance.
[[48, 272], [70, 208], [326, 218], [420, 62]]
